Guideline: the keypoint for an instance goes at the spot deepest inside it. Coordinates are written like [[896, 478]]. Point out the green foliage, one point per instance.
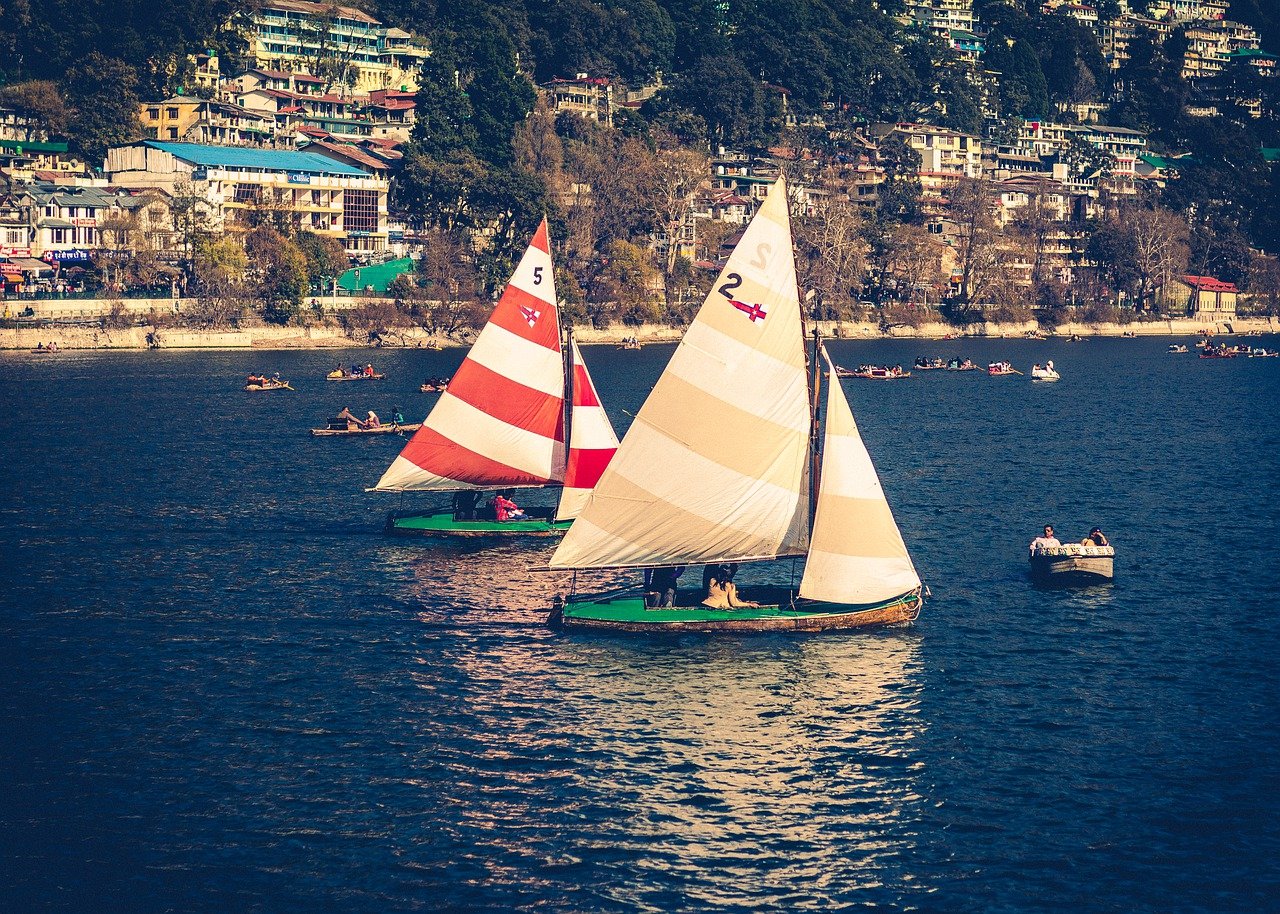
[[281, 268], [104, 106], [326, 259]]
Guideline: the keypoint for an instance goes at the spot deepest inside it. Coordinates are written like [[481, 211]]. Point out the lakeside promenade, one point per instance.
[[324, 336]]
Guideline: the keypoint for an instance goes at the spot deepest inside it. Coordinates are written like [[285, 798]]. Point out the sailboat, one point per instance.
[[501, 423], [721, 466]]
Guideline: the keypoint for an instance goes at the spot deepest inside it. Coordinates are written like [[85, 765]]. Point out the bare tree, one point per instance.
[[916, 262], [831, 256], [1160, 242], [978, 256]]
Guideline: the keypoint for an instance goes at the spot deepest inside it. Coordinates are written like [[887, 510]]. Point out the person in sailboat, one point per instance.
[[661, 584], [464, 504], [722, 593], [1047, 541], [505, 509]]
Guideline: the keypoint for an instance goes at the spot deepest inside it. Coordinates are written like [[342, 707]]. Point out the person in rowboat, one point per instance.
[[349, 417], [1095, 538], [1047, 541], [373, 421]]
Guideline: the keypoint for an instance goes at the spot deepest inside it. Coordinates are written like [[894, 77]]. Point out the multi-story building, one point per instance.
[[346, 44], [586, 96], [942, 151], [940, 17], [319, 194], [1211, 44]]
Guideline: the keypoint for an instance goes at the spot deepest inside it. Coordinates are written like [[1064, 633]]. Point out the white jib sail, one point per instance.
[[715, 465], [856, 553], [592, 441]]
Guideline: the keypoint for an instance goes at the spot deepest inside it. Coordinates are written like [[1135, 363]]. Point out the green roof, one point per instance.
[[22, 146], [1251, 52], [380, 275]]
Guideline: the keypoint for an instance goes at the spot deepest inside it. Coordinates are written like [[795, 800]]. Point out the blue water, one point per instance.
[[222, 689]]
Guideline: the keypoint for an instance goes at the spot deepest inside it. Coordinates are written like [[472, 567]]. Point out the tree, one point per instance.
[[219, 267], [448, 278], [831, 257], [674, 175], [104, 106], [1142, 249], [978, 253], [40, 101], [326, 258], [624, 289], [281, 270]]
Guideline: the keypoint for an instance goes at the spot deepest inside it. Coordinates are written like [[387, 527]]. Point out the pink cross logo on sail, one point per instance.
[[530, 315], [755, 312]]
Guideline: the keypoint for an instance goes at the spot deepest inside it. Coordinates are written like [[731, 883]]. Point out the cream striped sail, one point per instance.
[[856, 553], [592, 440], [715, 465]]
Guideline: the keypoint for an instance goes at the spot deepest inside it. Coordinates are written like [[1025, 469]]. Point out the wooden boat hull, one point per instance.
[[443, 524], [257, 387], [380, 430], [1073, 569], [358, 377], [630, 614]]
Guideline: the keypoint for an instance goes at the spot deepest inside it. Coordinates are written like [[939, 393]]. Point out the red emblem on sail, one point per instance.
[[755, 312], [530, 314]]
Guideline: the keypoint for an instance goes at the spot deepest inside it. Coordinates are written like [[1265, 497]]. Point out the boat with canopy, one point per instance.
[[722, 465], [501, 422]]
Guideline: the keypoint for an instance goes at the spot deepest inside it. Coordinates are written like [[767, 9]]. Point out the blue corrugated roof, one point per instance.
[[274, 159]]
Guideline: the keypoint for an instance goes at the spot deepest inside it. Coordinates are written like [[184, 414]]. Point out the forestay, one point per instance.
[[501, 421], [592, 441], [715, 465], [856, 555]]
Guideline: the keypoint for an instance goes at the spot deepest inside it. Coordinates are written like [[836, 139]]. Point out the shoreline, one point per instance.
[[320, 337]]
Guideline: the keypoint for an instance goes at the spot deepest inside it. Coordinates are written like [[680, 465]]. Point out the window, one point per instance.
[[248, 193], [360, 210], [153, 114], [59, 236], [173, 133], [171, 113]]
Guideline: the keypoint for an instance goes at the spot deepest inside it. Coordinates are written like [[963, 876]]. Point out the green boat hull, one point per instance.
[[444, 524], [630, 614]]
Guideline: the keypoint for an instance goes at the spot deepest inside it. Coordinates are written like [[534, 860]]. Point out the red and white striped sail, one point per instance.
[[501, 422], [592, 441]]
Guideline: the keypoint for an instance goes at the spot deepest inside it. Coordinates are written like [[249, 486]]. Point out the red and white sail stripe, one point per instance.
[[501, 422], [592, 441]]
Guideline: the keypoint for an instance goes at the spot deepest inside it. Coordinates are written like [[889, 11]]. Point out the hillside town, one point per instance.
[[291, 187]]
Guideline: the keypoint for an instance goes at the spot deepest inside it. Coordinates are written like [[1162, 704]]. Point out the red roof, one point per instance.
[[1209, 284]]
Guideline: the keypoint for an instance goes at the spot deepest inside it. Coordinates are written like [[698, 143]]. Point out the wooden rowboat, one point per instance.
[[1074, 564], [334, 376], [391, 429]]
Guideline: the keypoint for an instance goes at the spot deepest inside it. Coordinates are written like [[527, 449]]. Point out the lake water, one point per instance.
[[223, 689]]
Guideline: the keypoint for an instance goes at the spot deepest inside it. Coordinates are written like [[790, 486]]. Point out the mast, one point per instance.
[[815, 416], [566, 358]]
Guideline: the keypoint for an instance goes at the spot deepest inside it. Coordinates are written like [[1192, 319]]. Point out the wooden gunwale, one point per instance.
[[804, 616]]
